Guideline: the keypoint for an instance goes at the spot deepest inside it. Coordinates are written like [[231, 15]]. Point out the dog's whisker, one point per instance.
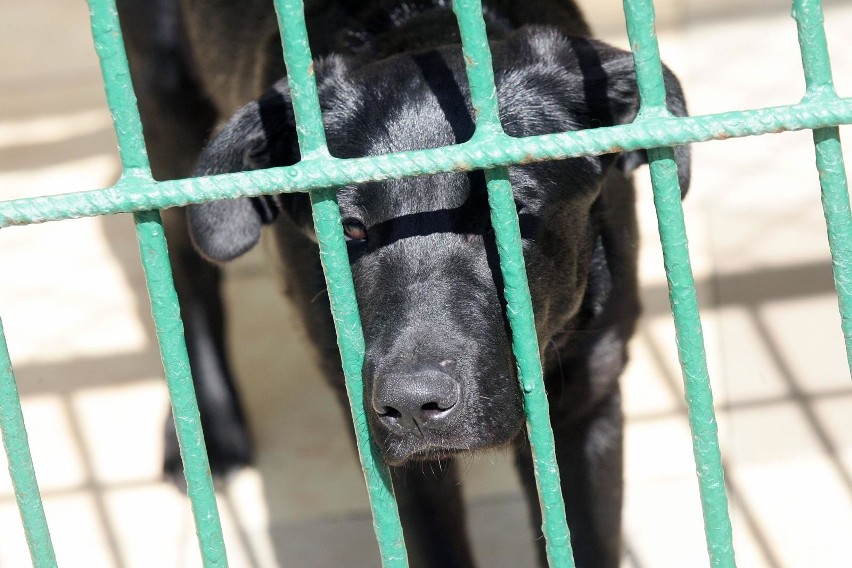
[[319, 295]]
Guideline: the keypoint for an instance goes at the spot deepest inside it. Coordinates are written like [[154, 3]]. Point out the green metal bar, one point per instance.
[[169, 328], [690, 338], [21, 464], [814, 48], [829, 158], [350, 338], [690, 344], [480, 72], [338, 277], [300, 78], [121, 99], [519, 309], [141, 194], [504, 220], [155, 262]]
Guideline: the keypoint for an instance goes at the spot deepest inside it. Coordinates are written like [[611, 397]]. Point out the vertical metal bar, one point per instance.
[[169, 327], [338, 277], [350, 338], [480, 71], [829, 158], [519, 309], [690, 338], [165, 309], [121, 99], [21, 464], [814, 48], [300, 77], [504, 219]]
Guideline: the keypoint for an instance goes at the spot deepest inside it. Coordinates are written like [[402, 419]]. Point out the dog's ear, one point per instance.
[[261, 135], [611, 97]]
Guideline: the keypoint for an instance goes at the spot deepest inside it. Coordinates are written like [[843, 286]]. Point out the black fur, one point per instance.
[[439, 372]]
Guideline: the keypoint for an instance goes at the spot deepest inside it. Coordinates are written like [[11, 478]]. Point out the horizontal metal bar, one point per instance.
[[139, 193]]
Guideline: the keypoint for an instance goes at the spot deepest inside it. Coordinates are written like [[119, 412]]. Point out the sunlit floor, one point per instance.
[[75, 311]]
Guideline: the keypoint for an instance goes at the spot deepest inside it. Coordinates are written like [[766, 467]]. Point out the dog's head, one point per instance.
[[439, 372]]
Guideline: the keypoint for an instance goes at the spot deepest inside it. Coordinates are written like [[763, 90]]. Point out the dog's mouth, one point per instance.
[[427, 454], [401, 450], [398, 454]]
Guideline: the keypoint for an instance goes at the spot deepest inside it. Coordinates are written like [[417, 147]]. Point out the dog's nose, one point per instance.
[[423, 399]]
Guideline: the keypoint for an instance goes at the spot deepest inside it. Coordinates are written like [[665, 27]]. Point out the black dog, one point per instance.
[[439, 372]]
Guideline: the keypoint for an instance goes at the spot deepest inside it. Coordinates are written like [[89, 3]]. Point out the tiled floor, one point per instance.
[[73, 303]]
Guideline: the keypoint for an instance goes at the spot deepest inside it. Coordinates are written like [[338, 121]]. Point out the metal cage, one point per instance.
[[490, 149]]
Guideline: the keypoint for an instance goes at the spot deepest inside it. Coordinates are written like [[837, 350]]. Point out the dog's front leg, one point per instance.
[[177, 118], [198, 286], [589, 453], [430, 504]]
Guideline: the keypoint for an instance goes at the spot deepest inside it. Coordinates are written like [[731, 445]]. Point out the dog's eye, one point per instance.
[[354, 230]]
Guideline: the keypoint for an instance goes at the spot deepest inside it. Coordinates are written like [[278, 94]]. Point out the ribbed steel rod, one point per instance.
[[690, 338], [21, 464], [829, 158], [338, 278], [519, 309], [133, 194], [158, 276]]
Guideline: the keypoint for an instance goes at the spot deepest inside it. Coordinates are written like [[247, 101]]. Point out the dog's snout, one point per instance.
[[418, 400]]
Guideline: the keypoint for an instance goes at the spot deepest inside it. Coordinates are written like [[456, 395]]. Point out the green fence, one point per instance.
[[490, 149]]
